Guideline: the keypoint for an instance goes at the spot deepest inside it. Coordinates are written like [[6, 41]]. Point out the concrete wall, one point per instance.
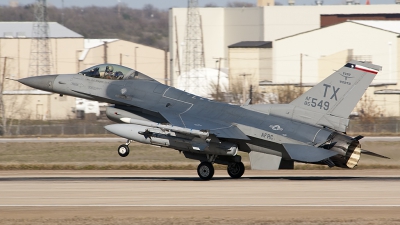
[[65, 53], [283, 21], [149, 60], [39, 107], [255, 62], [335, 60], [322, 58], [362, 39], [65, 60]]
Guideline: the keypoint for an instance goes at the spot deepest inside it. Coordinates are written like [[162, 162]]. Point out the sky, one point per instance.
[[166, 4]]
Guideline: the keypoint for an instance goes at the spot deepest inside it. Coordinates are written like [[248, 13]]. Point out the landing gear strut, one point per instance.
[[123, 150], [236, 169]]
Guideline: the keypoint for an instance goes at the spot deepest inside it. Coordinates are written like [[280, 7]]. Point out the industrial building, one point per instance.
[[327, 49], [222, 27], [70, 53], [317, 39], [252, 59]]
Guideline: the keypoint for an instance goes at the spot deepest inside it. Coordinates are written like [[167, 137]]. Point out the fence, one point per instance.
[[376, 128], [58, 129]]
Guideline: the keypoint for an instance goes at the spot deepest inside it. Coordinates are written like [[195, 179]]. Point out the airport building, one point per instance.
[[70, 53], [326, 49], [323, 36]]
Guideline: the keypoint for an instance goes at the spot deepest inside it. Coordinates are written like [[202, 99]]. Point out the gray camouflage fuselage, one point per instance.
[[310, 129]]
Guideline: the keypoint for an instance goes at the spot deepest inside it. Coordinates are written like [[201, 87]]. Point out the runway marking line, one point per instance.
[[364, 206], [204, 197]]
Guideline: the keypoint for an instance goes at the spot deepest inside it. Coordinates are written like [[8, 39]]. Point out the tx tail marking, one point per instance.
[[335, 91]]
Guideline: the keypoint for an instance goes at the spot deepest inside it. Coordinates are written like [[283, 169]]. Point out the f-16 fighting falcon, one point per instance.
[[310, 129]]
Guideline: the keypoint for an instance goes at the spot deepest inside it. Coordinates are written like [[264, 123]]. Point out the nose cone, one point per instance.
[[44, 83]]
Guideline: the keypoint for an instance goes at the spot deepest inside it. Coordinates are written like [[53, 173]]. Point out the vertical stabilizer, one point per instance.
[[335, 97]]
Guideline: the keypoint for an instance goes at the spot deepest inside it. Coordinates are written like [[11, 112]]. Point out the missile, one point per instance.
[[194, 132], [157, 136]]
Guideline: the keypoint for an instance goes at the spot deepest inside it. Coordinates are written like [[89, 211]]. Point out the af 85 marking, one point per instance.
[[316, 103]]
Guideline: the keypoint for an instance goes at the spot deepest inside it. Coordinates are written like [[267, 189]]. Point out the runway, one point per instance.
[[263, 195]]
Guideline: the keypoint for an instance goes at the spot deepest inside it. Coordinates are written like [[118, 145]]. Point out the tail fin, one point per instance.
[[337, 95]]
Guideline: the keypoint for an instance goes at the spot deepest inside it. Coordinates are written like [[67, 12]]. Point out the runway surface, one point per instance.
[[119, 140], [357, 195]]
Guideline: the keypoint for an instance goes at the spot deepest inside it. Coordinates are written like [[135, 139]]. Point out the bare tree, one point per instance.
[[3, 125], [367, 110], [210, 5], [239, 4], [216, 93], [12, 108], [148, 26], [284, 94]]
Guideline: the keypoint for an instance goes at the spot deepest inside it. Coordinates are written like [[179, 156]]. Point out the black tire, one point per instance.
[[205, 170], [123, 150], [236, 170]]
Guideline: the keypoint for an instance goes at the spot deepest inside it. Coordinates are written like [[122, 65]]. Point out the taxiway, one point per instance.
[[271, 195]]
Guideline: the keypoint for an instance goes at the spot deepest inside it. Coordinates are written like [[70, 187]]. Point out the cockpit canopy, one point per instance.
[[113, 72]]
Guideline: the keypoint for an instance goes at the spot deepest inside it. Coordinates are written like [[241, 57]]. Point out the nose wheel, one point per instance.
[[205, 170], [123, 150]]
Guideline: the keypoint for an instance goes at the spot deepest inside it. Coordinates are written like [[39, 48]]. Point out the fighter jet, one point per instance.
[[310, 129]]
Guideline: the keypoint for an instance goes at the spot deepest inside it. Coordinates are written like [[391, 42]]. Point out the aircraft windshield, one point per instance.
[[113, 72]]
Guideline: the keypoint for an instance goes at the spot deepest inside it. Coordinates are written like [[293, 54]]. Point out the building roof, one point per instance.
[[93, 43], [25, 30], [252, 44], [388, 25]]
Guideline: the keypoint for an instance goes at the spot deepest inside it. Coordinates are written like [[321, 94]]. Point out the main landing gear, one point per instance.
[[123, 150], [236, 169], [205, 170]]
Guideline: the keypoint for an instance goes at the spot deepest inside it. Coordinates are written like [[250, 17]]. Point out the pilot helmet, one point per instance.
[[109, 68]]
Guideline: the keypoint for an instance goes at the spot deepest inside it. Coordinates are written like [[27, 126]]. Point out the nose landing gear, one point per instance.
[[123, 150], [205, 170]]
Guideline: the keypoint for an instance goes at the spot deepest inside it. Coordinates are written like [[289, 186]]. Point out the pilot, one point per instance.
[[108, 74]]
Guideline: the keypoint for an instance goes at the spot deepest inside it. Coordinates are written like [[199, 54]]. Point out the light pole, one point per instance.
[[120, 58], [301, 72], [390, 61], [244, 86], [136, 58]]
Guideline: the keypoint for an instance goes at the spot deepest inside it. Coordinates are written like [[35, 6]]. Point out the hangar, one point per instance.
[[223, 27], [327, 49], [70, 53]]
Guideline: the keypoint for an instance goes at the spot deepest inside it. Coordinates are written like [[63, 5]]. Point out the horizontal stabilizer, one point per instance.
[[306, 153], [373, 154], [359, 137]]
